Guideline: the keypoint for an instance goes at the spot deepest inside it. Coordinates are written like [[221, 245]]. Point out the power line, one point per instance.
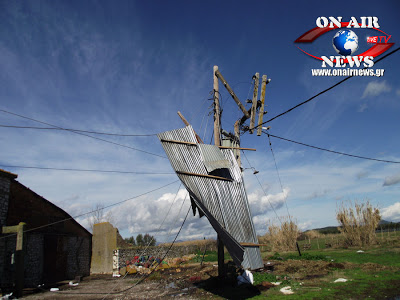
[[75, 130], [87, 170], [173, 242], [142, 278], [169, 232], [152, 238], [320, 93], [277, 172], [80, 133], [332, 151], [265, 194], [92, 211]]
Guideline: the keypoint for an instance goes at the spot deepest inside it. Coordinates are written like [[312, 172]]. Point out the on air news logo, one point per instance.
[[345, 42]]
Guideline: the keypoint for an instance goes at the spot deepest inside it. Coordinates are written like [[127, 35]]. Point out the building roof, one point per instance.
[[27, 206], [4, 173]]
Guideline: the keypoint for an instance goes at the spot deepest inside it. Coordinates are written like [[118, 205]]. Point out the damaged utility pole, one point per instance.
[[254, 102], [217, 142], [250, 114], [261, 112]]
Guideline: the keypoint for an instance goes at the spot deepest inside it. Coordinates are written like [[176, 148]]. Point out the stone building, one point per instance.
[[52, 252]]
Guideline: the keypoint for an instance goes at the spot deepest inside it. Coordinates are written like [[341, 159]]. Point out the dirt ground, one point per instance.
[[190, 281]]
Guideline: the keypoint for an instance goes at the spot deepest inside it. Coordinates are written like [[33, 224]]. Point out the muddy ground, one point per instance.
[[190, 281]]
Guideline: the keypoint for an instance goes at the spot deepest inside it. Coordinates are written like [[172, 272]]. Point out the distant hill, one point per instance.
[[334, 229], [382, 222]]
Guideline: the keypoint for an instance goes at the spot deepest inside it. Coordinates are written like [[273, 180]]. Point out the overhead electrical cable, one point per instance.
[[142, 278], [80, 133], [75, 130], [155, 268], [87, 170], [168, 234], [332, 151], [265, 194], [152, 237], [95, 210], [279, 176], [320, 93]]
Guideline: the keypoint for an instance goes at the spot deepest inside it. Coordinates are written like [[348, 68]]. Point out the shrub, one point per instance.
[[312, 234], [282, 237], [358, 223]]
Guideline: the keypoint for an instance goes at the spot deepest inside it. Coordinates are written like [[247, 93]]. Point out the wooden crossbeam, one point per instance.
[[252, 245], [195, 144], [226, 85], [203, 175]]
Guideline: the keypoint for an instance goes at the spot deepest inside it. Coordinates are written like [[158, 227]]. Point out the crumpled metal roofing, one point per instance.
[[213, 158], [222, 200]]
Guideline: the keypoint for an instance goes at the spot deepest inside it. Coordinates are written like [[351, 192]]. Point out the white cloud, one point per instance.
[[398, 92], [391, 180], [391, 213], [362, 107], [362, 174], [305, 225], [261, 204], [318, 194], [376, 88]]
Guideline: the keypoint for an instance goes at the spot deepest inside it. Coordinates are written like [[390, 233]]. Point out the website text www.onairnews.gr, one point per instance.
[[347, 72]]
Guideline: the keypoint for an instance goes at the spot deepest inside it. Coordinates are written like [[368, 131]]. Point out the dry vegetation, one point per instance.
[[359, 222], [282, 237]]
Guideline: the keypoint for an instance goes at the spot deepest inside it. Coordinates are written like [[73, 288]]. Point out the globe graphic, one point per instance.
[[345, 42]]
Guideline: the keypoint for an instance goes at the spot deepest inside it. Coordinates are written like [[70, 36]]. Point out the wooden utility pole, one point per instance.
[[237, 136], [254, 102], [261, 112], [217, 119], [251, 114], [217, 142]]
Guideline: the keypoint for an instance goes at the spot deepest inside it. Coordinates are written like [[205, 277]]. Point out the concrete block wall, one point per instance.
[[4, 196], [33, 268], [78, 259], [5, 244]]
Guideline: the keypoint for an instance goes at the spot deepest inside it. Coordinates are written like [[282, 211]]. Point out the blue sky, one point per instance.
[[129, 66]]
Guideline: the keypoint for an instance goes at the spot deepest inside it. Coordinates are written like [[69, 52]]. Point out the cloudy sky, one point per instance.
[[127, 67]]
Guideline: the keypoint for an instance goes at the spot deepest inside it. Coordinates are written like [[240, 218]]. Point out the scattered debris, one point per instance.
[[269, 266], [7, 297], [116, 275], [71, 283], [340, 280], [194, 279], [267, 284], [54, 289], [287, 290], [360, 251], [171, 286], [276, 283], [245, 278]]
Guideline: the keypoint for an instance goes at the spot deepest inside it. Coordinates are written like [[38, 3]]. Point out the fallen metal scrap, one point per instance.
[[215, 184]]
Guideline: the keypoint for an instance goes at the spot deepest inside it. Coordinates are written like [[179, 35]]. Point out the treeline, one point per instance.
[[141, 240], [388, 226]]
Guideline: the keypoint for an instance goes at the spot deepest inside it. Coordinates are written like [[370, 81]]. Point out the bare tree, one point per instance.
[[98, 216]]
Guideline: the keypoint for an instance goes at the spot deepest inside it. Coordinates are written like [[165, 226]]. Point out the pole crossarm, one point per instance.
[[232, 93]]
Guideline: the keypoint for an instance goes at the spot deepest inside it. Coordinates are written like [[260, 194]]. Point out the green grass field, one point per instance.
[[372, 274]]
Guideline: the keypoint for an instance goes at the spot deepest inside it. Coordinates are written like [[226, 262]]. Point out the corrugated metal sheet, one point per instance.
[[213, 158], [223, 202]]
